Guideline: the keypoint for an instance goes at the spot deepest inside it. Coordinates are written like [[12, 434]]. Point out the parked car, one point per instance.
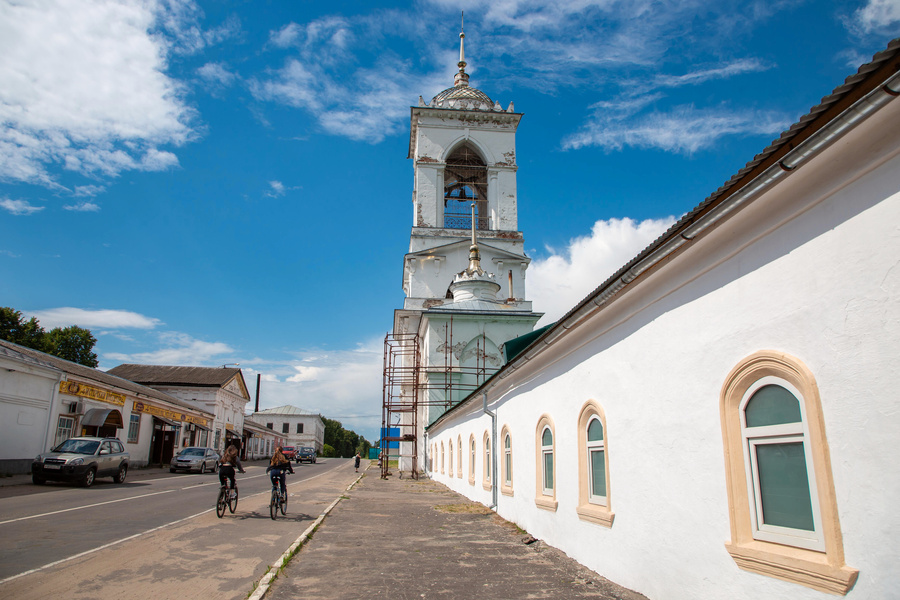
[[289, 452], [82, 459], [306, 453], [195, 458]]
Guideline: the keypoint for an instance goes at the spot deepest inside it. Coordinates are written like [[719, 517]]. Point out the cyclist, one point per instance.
[[227, 463], [277, 466]]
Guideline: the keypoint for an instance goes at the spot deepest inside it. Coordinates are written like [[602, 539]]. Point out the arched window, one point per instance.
[[545, 496], [506, 486], [486, 480], [593, 466], [459, 460], [465, 182], [783, 510], [450, 458], [471, 460], [442, 458]]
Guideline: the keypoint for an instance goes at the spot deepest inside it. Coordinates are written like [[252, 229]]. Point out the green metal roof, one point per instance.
[[512, 348]]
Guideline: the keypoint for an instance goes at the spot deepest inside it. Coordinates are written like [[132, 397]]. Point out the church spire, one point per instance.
[[461, 78], [474, 254]]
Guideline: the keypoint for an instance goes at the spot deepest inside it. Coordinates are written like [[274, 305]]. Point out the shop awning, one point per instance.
[[98, 417], [199, 426], [167, 421]]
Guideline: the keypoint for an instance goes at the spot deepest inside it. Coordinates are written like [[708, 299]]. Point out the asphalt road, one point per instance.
[[150, 532]]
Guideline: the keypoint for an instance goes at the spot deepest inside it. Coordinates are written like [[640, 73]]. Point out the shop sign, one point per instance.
[[229, 427], [168, 414], [83, 390]]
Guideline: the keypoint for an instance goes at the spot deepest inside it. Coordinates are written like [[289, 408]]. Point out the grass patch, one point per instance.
[[469, 509]]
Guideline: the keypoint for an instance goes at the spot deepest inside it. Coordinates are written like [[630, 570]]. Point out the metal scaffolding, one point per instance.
[[411, 385]]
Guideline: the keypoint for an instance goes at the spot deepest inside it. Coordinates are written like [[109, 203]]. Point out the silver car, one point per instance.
[[195, 458], [82, 459]]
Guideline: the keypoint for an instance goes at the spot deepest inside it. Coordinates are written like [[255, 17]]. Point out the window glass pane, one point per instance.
[[506, 442], [548, 470], [595, 431], [784, 485], [598, 473], [547, 438], [508, 458], [772, 405]]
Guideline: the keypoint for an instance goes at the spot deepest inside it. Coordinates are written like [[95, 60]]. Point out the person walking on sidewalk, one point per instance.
[[356, 460]]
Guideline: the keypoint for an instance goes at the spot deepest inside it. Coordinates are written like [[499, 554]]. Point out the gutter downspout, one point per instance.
[[52, 410], [493, 417]]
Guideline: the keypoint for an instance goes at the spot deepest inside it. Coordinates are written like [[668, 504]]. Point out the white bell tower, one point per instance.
[[464, 274]]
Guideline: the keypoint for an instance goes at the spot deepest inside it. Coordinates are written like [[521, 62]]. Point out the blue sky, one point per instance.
[[226, 182]]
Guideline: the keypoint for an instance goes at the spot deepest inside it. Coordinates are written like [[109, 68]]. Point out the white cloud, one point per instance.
[[177, 349], [565, 277], [104, 318], [305, 373], [702, 75], [19, 207], [277, 189], [342, 384], [880, 17], [83, 207], [217, 73], [88, 190], [684, 129], [84, 85]]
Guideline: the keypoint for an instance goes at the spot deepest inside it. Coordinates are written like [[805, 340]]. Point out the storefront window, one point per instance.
[[64, 429]]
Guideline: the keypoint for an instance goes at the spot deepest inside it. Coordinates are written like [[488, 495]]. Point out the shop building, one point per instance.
[[260, 441], [45, 400], [217, 390]]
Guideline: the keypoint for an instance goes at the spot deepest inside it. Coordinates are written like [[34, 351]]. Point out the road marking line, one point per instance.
[[103, 547], [56, 512]]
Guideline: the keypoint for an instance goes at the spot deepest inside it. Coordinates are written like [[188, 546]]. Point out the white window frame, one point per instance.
[[751, 437], [136, 424], [450, 457], [593, 447], [68, 430]]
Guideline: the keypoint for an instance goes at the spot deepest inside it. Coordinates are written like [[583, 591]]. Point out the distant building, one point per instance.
[[221, 391], [44, 400], [298, 427]]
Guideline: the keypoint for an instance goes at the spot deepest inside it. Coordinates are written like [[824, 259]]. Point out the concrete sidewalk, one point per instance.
[[404, 539]]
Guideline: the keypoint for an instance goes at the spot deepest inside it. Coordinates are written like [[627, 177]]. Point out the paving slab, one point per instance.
[[403, 539]]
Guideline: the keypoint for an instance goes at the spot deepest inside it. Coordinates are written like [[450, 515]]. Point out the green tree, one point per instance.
[[14, 328], [70, 343], [345, 443], [73, 343]]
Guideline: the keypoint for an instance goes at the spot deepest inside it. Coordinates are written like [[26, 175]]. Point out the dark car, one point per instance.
[[307, 454], [82, 459], [195, 458]]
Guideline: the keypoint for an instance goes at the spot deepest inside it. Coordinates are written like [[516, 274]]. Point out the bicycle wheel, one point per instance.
[[232, 503], [273, 505], [220, 503], [284, 504]]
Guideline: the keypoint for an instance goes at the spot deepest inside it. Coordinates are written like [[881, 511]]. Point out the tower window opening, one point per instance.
[[465, 182]]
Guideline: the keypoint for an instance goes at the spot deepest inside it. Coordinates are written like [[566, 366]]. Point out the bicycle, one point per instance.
[[228, 496], [279, 500]]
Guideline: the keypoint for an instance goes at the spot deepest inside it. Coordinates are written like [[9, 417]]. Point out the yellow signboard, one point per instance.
[[168, 414], [75, 388], [229, 426]]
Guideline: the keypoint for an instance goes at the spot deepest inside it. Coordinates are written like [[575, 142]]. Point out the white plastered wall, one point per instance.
[[811, 270]]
